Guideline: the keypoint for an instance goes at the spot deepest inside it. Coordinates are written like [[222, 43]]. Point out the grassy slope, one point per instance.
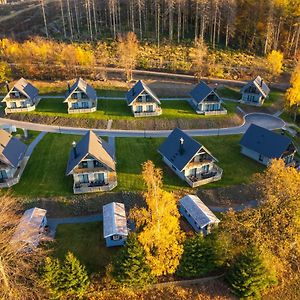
[[237, 168], [86, 242], [45, 172], [118, 109]]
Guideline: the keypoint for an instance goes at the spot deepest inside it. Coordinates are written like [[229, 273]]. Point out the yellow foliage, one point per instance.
[[275, 61], [197, 56], [160, 236], [293, 93]]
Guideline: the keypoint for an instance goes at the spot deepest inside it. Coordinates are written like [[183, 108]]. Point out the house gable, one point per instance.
[[202, 92], [256, 86], [81, 86], [137, 90]]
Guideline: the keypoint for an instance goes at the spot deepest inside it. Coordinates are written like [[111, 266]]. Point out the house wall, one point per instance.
[[81, 102], [252, 98], [18, 103], [180, 174], [255, 155], [144, 105], [200, 170], [92, 176], [209, 106], [10, 172], [112, 243]]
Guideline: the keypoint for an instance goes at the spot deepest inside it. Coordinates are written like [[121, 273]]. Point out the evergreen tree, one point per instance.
[[249, 275], [74, 279], [199, 257], [130, 267], [52, 278]]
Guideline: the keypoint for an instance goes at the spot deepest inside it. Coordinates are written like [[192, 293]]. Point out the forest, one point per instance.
[[258, 26]]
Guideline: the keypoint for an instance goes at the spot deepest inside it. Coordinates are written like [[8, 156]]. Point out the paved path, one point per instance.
[[112, 143], [261, 119], [34, 143]]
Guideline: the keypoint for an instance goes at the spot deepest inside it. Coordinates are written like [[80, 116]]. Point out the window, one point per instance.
[[205, 168], [150, 108], [97, 164], [139, 108], [83, 178], [85, 105], [115, 237], [84, 164], [100, 177]]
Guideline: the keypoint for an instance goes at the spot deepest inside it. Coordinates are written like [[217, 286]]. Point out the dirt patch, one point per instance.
[[138, 124], [229, 196]]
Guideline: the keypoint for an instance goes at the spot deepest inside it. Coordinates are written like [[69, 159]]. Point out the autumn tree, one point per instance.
[[18, 268], [292, 95], [5, 71], [275, 62], [197, 55], [250, 275], [160, 233], [275, 221], [130, 266], [127, 51]]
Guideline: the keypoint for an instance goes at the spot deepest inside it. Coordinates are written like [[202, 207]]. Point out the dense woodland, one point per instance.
[[258, 26]]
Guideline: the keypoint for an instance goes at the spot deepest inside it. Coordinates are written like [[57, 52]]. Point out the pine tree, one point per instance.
[[249, 275], [74, 277], [130, 267], [199, 257]]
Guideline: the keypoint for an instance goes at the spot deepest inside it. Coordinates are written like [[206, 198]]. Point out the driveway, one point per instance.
[[261, 119]]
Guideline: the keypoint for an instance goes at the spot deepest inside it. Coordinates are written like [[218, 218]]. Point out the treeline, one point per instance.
[[49, 59], [258, 26]]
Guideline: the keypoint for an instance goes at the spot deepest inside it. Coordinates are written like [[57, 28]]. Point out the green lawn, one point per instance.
[[31, 136], [86, 242], [45, 172], [118, 109], [229, 92], [237, 168]]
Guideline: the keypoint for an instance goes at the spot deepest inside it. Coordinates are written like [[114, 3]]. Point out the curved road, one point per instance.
[[261, 119]]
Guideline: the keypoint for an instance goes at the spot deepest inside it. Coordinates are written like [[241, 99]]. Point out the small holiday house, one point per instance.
[[115, 229], [12, 159], [205, 100], [31, 229], [190, 160], [255, 92], [199, 216], [143, 102], [22, 97], [92, 165], [263, 145], [81, 98]]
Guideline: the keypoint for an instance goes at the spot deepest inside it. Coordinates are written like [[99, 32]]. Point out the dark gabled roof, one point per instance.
[[12, 150], [25, 88], [260, 84], [170, 148], [96, 147], [265, 142], [84, 87], [201, 91], [136, 90]]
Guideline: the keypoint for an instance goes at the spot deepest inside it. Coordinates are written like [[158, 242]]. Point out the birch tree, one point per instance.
[[160, 233], [127, 51]]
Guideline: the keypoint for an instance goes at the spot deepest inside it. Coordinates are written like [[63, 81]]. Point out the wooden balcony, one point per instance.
[[32, 107], [155, 113], [82, 110], [93, 187], [222, 111], [213, 175]]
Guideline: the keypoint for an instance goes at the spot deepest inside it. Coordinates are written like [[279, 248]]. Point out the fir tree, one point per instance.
[[250, 275], [74, 279], [199, 257], [130, 267]]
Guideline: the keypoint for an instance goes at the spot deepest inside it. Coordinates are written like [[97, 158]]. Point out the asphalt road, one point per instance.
[[261, 119]]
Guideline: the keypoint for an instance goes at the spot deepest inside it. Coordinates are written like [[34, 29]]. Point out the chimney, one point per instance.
[[69, 88], [181, 141], [261, 82], [7, 86], [74, 149]]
